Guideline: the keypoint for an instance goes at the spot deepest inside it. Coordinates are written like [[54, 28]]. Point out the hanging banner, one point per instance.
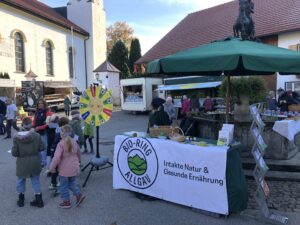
[[181, 173], [95, 105]]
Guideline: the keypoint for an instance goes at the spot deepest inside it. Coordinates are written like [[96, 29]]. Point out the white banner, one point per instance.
[[185, 174]]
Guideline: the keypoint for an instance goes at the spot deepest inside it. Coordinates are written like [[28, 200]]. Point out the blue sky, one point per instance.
[[150, 19]]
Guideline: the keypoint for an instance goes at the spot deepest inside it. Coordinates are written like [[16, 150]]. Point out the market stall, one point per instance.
[[204, 177], [279, 147], [7, 88], [287, 128]]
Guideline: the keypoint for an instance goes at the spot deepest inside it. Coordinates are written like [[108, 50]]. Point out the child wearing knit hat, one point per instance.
[[77, 127]]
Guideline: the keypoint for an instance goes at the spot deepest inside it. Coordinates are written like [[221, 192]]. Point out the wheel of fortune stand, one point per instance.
[[95, 107]]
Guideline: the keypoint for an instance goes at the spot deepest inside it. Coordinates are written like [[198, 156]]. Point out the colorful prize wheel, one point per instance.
[[95, 105]]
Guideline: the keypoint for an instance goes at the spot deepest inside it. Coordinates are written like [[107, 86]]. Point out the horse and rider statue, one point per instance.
[[244, 25]]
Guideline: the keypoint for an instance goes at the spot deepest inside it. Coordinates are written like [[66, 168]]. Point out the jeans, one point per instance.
[[9, 124], [2, 127], [43, 154], [90, 141], [35, 182], [67, 183], [67, 112]]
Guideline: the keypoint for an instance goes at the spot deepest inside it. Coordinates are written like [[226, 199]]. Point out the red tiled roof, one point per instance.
[[270, 17], [43, 11]]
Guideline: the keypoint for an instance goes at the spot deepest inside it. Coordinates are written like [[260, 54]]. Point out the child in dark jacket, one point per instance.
[[61, 122], [52, 124], [76, 127]]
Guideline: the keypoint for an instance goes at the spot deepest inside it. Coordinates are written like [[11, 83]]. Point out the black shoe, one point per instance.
[[20, 201], [7, 137], [85, 151], [38, 201]]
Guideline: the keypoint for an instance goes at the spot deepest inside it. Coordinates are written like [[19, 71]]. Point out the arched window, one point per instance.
[[49, 58], [71, 62], [19, 52]]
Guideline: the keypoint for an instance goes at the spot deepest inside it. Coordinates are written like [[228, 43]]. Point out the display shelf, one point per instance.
[[258, 150]]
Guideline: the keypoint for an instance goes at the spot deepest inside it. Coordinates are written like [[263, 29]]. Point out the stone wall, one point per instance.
[[278, 146]]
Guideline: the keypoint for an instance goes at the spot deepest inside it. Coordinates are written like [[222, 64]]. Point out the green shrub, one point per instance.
[[6, 75], [253, 87]]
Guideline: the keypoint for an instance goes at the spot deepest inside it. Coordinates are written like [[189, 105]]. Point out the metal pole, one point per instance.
[[73, 53], [228, 98], [97, 142]]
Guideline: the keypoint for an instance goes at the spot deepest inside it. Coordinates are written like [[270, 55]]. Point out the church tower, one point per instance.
[[90, 15]]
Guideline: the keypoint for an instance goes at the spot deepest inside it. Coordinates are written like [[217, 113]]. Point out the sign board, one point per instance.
[[258, 150], [31, 92], [181, 173]]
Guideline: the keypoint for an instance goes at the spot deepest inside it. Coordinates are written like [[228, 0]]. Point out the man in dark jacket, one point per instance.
[[158, 116], [2, 115], [285, 100]]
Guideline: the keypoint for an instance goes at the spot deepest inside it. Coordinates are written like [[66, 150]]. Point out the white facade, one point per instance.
[[96, 43], [111, 80], [36, 32], [287, 40]]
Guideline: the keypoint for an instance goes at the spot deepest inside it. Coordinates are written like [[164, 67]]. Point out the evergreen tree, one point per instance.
[[135, 53], [119, 58]]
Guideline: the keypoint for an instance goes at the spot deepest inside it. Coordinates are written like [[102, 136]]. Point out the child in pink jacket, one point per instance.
[[67, 159]]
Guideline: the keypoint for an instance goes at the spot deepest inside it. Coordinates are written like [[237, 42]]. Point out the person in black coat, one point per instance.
[[285, 100], [2, 115], [158, 116]]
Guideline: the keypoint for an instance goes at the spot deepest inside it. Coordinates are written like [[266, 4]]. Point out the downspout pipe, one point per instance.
[[85, 61]]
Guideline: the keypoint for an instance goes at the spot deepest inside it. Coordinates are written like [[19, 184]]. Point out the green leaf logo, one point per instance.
[[137, 165]]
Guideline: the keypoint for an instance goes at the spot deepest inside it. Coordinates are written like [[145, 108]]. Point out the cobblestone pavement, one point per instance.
[[284, 195]]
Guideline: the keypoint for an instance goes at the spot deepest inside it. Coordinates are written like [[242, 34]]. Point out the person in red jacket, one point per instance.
[[40, 125], [186, 105], [208, 104]]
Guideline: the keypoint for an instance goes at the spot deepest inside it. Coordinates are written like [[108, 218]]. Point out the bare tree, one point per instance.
[[119, 31]]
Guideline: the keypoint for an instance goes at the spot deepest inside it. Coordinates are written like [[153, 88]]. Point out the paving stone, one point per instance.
[[284, 196]]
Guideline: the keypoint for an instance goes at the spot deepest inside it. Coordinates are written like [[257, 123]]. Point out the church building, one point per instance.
[[60, 46]]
